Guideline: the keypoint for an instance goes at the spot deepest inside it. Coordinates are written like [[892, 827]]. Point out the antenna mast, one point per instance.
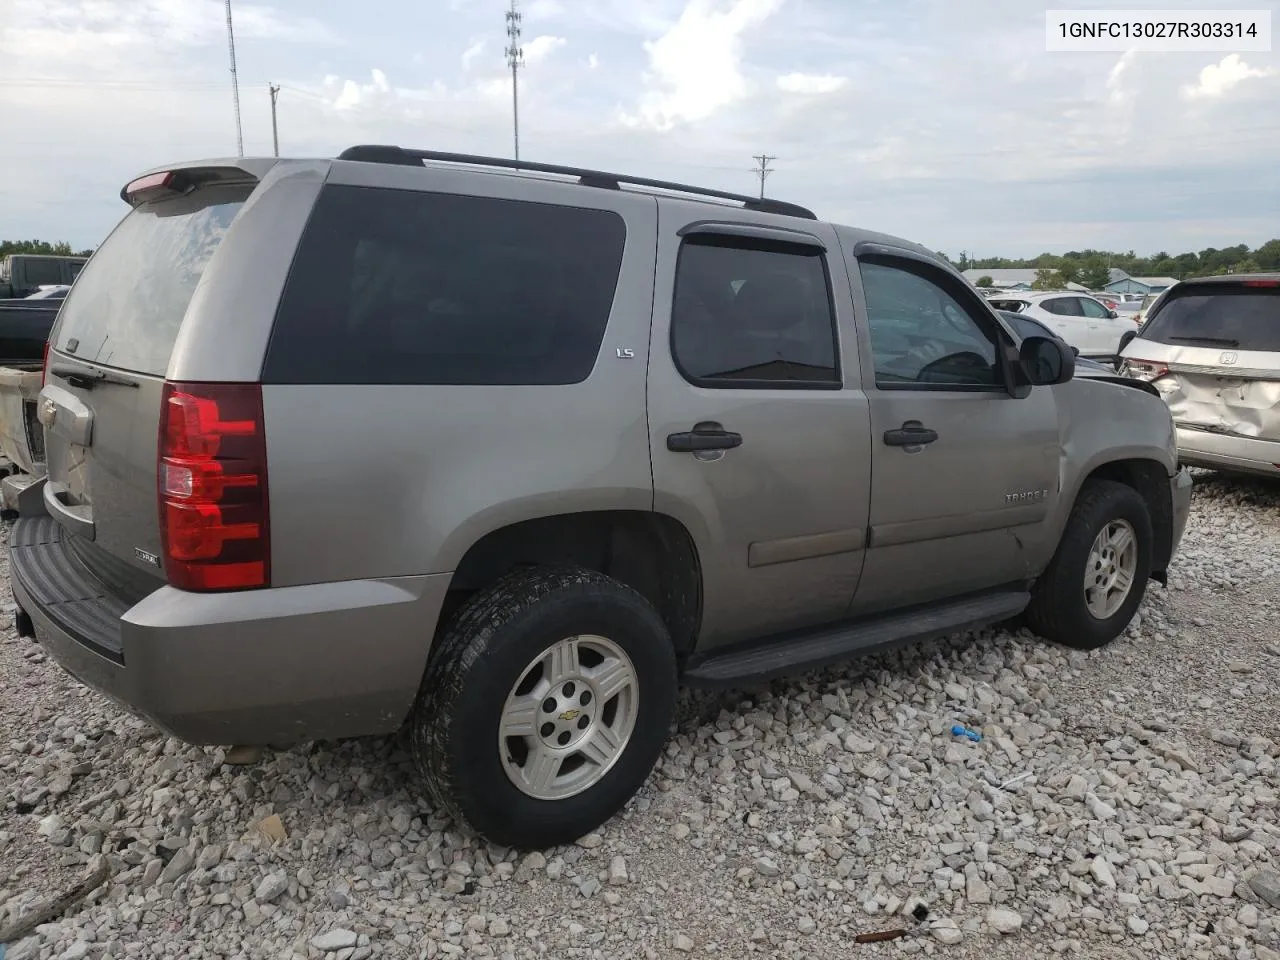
[[235, 82], [515, 59]]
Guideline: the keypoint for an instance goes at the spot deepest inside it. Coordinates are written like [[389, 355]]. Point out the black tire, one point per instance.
[[479, 658], [1059, 611]]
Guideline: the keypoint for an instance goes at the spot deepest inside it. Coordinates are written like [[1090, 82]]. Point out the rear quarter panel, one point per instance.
[[386, 480]]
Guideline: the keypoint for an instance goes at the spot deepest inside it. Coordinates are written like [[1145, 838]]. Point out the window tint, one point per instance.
[[41, 271], [129, 300], [1063, 307], [1092, 308], [750, 313], [400, 286], [1024, 327], [920, 334], [1218, 315]]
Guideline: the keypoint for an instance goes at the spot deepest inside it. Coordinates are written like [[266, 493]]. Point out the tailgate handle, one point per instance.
[[77, 519], [65, 415]]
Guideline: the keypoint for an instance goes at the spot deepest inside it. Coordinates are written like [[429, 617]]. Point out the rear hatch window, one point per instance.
[[1013, 306], [124, 314], [1229, 316], [128, 302]]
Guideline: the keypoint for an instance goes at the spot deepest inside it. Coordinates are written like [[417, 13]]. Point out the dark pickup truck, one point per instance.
[[24, 327], [22, 274]]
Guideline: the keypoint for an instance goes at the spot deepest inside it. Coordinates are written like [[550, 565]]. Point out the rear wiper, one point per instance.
[[1215, 341], [87, 379]]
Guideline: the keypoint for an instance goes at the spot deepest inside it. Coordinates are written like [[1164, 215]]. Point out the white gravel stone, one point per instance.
[[1004, 921], [946, 931], [334, 940]]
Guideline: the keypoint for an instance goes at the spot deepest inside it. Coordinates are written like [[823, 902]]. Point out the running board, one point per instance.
[[810, 649]]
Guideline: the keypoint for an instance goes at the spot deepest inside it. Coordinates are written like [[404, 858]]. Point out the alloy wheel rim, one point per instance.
[[1111, 570], [569, 717]]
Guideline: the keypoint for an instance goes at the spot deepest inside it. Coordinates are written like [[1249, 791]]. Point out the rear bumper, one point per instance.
[[1217, 451], [281, 665]]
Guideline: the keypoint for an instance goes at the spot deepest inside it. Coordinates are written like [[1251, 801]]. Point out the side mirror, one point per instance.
[[1126, 338], [1112, 314], [1046, 361]]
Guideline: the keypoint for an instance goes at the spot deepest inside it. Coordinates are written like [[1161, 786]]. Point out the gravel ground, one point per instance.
[[1121, 804]]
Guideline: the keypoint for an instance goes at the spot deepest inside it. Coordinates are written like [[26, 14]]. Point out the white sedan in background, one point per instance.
[[1084, 322]]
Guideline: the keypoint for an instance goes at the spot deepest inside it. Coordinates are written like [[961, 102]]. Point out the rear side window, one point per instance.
[[129, 300], [406, 287], [1013, 306], [1228, 315], [43, 272]]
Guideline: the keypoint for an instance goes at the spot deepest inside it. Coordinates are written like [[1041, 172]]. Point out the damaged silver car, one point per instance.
[[1211, 346]]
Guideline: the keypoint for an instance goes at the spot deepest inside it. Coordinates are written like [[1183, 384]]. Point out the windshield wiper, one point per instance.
[[1215, 341]]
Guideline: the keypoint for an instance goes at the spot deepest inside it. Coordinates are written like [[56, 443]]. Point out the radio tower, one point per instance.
[[515, 59], [235, 82]]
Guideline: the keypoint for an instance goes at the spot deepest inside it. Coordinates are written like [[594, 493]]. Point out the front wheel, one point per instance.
[[545, 706], [1098, 576]]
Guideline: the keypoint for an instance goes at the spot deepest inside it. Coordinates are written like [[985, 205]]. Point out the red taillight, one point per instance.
[[44, 366], [213, 487], [1144, 369], [1261, 283]]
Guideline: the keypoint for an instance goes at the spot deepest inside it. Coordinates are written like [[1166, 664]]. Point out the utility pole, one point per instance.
[[763, 171], [515, 59], [274, 88], [235, 82]]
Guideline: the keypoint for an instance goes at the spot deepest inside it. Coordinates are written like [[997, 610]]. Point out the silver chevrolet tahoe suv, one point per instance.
[[506, 453]]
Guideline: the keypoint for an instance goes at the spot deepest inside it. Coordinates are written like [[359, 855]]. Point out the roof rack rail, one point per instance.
[[378, 153]]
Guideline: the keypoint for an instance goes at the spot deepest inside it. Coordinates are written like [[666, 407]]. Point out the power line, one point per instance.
[[274, 89], [235, 82], [763, 171], [515, 59]]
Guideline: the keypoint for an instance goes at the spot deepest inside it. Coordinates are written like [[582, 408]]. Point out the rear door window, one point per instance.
[[1063, 307], [1234, 316], [128, 302], [409, 287], [753, 314]]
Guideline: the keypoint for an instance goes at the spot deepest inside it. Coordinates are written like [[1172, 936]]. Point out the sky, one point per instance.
[[946, 123]]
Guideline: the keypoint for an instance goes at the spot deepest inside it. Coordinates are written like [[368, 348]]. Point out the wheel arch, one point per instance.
[[651, 552], [1150, 478]]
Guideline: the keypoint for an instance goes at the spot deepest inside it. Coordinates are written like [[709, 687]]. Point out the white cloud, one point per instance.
[[471, 53], [592, 62], [695, 68], [811, 83], [352, 95], [1218, 78], [540, 48]]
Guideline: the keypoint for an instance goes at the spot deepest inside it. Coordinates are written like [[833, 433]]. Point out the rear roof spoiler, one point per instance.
[[193, 173]]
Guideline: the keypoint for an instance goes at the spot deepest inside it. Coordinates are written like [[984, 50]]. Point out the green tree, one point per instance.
[[1045, 280], [986, 281], [1268, 255], [1095, 275]]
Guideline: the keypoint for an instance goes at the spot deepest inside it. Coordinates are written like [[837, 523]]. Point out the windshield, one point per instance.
[[128, 303], [1219, 315]]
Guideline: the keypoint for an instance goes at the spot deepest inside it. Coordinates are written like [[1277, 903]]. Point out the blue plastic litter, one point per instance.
[[956, 731]]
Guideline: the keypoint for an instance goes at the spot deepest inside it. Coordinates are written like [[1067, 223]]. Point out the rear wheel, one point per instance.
[[545, 706], [1098, 576]]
